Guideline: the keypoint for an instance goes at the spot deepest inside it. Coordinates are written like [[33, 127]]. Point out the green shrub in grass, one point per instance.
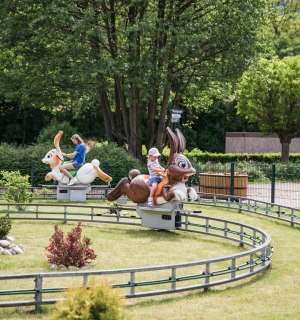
[[5, 226], [99, 302], [16, 186]]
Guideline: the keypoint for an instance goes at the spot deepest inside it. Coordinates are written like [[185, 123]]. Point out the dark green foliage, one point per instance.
[[5, 226], [206, 128], [114, 161], [48, 133], [27, 160], [132, 60], [19, 125]]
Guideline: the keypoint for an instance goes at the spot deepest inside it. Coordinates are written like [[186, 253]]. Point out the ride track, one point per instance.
[[160, 279]]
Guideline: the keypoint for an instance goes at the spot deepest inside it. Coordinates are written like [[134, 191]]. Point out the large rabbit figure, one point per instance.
[[172, 188], [85, 175]]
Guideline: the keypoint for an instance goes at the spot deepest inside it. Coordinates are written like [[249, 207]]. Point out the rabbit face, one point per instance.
[[179, 166], [180, 169], [52, 159]]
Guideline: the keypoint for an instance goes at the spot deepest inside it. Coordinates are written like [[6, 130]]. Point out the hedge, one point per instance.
[[200, 156], [114, 161]]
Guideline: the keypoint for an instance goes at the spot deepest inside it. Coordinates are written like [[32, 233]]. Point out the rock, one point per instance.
[[72, 268], [16, 249], [53, 266], [4, 243], [7, 247], [62, 267]]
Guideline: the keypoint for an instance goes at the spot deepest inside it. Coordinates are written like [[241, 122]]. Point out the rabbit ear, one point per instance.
[[56, 143], [181, 140], [173, 144], [57, 139]]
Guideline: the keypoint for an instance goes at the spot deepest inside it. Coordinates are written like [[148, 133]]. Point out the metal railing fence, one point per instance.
[[275, 183], [140, 281]]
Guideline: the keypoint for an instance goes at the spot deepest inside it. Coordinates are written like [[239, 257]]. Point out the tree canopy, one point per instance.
[[269, 94], [134, 60]]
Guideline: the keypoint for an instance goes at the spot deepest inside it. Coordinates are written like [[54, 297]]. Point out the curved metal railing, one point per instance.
[[140, 281], [269, 210]]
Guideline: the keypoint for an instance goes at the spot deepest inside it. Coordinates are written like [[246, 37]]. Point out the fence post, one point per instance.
[[273, 180], [32, 173], [38, 292], [232, 178]]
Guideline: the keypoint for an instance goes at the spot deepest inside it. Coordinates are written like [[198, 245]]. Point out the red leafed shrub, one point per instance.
[[70, 250]]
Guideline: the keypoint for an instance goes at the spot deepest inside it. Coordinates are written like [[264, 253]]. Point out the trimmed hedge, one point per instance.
[[114, 161], [200, 156]]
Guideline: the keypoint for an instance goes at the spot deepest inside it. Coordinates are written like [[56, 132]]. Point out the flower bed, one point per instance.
[[220, 183]]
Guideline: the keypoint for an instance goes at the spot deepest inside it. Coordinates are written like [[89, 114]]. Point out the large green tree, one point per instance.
[[135, 59], [269, 94], [285, 22]]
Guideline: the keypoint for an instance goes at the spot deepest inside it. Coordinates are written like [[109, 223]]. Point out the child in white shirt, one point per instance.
[[154, 169]]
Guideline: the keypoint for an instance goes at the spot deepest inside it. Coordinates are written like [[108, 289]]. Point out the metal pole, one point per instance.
[[32, 173], [232, 178], [273, 179]]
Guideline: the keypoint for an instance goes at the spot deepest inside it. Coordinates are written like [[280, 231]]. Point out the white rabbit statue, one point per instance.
[[85, 175]]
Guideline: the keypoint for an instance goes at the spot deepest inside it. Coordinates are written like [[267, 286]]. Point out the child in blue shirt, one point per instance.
[[78, 157]]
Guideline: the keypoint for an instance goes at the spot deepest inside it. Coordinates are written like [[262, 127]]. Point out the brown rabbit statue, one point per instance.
[[172, 188]]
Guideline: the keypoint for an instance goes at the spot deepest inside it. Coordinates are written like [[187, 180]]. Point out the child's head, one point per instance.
[[76, 139], [153, 153]]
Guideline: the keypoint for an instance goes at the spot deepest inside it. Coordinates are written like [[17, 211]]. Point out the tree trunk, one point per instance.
[[135, 13], [163, 116], [285, 150], [157, 61], [123, 109], [107, 116]]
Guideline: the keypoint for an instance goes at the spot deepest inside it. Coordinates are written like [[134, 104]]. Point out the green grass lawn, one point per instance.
[[272, 295]]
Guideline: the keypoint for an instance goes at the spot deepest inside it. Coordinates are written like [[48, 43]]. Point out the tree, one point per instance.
[[285, 22], [134, 59], [269, 94]]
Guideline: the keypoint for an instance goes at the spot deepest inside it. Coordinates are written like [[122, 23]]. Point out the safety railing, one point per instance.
[[47, 287], [270, 210]]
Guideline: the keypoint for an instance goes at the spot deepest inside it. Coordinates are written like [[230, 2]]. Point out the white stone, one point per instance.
[[16, 249], [6, 252], [53, 266], [72, 268], [62, 267], [4, 243]]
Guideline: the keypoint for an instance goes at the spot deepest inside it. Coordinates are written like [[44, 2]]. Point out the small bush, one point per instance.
[[114, 161], [95, 302], [16, 187], [5, 226], [70, 251]]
